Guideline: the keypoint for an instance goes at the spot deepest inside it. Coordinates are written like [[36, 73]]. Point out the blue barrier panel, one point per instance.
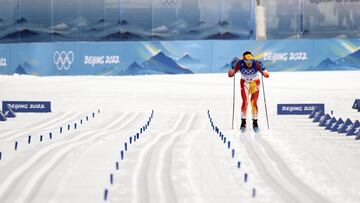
[[345, 127], [324, 120], [330, 123], [318, 116], [299, 109], [9, 113], [354, 128], [27, 106], [2, 117], [335, 127], [356, 105]]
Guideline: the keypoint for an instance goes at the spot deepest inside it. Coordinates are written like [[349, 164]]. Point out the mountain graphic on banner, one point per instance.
[[351, 61], [157, 64], [25, 69], [164, 64]]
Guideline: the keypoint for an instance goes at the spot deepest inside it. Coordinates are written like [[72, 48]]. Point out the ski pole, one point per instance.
[[233, 65], [233, 112], [263, 86]]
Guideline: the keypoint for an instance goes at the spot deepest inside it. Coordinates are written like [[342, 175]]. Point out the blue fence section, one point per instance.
[[347, 127], [174, 57]]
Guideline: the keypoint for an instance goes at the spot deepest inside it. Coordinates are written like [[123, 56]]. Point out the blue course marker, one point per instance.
[[75, 126], [233, 153], [106, 194], [93, 115], [117, 165], [254, 192], [29, 139], [224, 140], [130, 140], [229, 144], [87, 118], [125, 146], [60, 130], [137, 135], [80, 121], [238, 164], [0, 155], [111, 179], [41, 138], [122, 155], [68, 126], [245, 177], [16, 145], [50, 136]]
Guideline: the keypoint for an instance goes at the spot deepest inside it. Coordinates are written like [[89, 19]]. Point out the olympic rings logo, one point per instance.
[[248, 71], [169, 3], [63, 59]]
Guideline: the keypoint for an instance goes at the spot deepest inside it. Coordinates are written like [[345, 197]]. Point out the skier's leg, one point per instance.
[[255, 88], [245, 98]]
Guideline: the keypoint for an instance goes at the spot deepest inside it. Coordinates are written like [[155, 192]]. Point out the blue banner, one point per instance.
[[298, 109], [174, 57], [27, 106]]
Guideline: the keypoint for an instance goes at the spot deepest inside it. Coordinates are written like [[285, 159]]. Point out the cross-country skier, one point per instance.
[[250, 85]]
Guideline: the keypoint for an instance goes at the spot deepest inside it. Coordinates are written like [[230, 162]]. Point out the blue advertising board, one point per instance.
[[173, 57], [299, 109], [27, 106]]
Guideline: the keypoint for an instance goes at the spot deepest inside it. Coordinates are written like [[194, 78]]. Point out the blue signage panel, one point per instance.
[[299, 109], [27, 106]]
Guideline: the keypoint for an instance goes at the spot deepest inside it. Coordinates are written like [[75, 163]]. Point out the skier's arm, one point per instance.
[[263, 70], [235, 66]]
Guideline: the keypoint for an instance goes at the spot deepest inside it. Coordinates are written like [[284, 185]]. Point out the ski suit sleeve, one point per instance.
[[262, 69], [235, 66]]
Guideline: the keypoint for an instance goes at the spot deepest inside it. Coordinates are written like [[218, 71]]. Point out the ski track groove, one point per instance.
[[263, 171], [30, 125], [59, 154], [55, 124], [282, 166], [140, 190], [164, 168]]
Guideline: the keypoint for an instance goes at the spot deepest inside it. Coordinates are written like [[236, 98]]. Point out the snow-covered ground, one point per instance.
[[178, 158]]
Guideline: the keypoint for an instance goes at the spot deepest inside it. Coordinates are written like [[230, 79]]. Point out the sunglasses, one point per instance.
[[248, 61]]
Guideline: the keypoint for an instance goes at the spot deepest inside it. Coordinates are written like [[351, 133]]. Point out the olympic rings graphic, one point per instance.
[[248, 71], [63, 59], [169, 3]]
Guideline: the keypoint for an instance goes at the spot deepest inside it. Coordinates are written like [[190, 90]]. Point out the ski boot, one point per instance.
[[243, 125], [255, 126]]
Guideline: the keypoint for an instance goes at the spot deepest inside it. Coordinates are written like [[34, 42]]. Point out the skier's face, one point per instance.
[[248, 63], [248, 60]]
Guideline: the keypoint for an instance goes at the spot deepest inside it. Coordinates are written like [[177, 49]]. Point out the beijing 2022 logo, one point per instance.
[[63, 59]]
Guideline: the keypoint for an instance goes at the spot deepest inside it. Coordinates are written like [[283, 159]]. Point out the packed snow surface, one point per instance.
[[178, 157]]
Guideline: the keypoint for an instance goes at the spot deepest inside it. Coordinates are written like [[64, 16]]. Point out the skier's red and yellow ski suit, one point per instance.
[[249, 83]]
